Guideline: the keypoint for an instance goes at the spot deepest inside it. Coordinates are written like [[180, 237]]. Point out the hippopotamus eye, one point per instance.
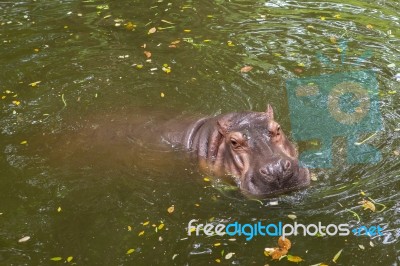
[[234, 143]]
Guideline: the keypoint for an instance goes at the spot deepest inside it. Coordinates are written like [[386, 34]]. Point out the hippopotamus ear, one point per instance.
[[270, 112], [223, 125]]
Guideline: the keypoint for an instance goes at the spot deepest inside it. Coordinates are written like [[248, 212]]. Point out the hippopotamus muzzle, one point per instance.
[[251, 147]]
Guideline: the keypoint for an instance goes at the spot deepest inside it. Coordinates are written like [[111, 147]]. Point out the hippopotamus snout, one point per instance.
[[279, 171]]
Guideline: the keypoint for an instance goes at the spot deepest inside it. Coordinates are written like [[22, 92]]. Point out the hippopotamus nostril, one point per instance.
[[263, 171]]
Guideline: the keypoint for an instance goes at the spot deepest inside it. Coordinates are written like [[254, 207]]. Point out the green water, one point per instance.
[[87, 65]]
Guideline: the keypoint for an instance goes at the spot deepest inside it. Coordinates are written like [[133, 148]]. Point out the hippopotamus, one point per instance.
[[249, 146]]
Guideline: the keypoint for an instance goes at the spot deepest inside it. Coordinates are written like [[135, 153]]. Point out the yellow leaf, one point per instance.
[[70, 258], [187, 30], [3, 97], [197, 205], [336, 257], [206, 179], [332, 39], [161, 226], [294, 258], [36, 50], [129, 228], [218, 260], [16, 102], [146, 223], [152, 30], [337, 16], [171, 209], [300, 64], [56, 259], [370, 27], [323, 18], [8, 92], [130, 251], [362, 193], [368, 205], [162, 95], [59, 209], [24, 142], [217, 244], [230, 43], [130, 26], [141, 233], [207, 40]]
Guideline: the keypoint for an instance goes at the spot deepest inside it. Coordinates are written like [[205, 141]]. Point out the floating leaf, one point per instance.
[[34, 84], [230, 43], [246, 69], [129, 228], [24, 239], [174, 256], [147, 54], [278, 253], [361, 247], [294, 258], [161, 226], [323, 18], [368, 205], [313, 177], [229, 255], [337, 16], [187, 31], [217, 244], [336, 257], [70, 258], [130, 26], [268, 251], [162, 95], [152, 30], [218, 260], [396, 152], [16, 102], [370, 27], [59, 209], [332, 39], [146, 223], [141, 233], [284, 243], [56, 259], [292, 216], [206, 179], [130, 251], [24, 142], [171, 209]]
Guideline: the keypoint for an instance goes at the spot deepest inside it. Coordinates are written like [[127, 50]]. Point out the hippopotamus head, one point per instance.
[[254, 149]]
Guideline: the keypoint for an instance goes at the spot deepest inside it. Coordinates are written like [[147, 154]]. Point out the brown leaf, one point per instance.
[[172, 46], [284, 243], [246, 69], [277, 253], [147, 54]]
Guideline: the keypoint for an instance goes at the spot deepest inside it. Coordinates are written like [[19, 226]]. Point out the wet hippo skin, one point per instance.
[[249, 146]]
